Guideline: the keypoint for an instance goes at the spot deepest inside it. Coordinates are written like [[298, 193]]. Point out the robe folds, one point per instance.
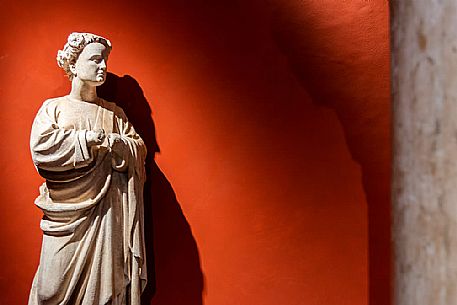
[[93, 250]]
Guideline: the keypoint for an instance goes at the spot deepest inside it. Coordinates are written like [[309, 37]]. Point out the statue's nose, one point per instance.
[[103, 64]]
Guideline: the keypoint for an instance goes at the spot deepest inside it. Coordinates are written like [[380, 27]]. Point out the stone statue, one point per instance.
[[93, 250]]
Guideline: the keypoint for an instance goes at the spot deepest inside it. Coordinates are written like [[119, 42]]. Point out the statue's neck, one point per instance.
[[83, 91]]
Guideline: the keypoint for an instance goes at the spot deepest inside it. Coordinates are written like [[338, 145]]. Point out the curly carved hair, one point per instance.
[[74, 46]]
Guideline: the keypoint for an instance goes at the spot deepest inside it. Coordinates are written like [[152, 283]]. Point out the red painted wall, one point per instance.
[[273, 122]]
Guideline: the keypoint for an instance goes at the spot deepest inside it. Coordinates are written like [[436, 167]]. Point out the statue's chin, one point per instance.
[[97, 82]]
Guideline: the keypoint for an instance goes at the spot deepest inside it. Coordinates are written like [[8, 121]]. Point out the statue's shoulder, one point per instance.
[[51, 104], [118, 111], [53, 101], [49, 108]]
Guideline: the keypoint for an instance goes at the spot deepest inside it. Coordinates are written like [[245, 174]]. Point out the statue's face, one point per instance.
[[90, 66]]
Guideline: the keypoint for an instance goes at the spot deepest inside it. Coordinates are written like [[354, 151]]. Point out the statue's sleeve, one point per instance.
[[134, 149], [56, 148]]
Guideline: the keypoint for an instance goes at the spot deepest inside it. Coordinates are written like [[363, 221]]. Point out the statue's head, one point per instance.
[[85, 56]]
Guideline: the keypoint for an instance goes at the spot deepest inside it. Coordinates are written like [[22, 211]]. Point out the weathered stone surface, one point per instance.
[[425, 151]]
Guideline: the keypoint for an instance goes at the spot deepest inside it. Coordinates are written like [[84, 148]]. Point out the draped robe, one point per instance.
[[93, 249]]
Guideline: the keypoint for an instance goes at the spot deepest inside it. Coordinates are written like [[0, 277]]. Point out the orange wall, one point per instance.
[[272, 119]]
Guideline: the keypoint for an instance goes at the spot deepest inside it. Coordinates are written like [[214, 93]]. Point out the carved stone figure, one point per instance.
[[93, 249]]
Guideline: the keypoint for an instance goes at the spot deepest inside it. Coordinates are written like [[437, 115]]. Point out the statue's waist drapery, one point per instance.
[[66, 203]]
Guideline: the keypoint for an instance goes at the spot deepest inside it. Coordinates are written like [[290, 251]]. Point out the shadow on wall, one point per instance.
[[174, 273], [353, 77]]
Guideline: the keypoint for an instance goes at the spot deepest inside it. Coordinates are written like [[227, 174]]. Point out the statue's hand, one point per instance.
[[113, 139], [117, 146], [95, 137]]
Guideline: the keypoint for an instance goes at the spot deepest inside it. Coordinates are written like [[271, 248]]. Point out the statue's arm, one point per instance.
[[126, 143], [54, 147]]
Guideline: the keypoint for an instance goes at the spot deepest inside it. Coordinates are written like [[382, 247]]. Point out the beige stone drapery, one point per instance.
[[93, 249]]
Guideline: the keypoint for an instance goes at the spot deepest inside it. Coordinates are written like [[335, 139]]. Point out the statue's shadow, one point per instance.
[[174, 273]]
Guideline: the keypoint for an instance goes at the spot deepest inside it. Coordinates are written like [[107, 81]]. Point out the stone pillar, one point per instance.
[[424, 77]]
